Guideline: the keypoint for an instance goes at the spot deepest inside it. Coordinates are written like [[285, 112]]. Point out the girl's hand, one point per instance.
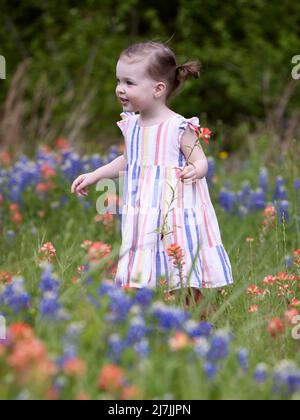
[[189, 173], [83, 181]]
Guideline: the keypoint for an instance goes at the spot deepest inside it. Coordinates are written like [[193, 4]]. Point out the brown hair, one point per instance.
[[162, 64]]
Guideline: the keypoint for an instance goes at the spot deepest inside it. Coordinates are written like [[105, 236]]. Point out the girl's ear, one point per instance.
[[159, 89]]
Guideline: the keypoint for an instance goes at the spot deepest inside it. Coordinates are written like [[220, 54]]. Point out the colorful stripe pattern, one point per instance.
[[152, 153]]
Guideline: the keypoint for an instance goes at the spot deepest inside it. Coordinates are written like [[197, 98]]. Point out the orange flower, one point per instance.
[[62, 144], [202, 132], [20, 331], [47, 171], [131, 392], [297, 257], [169, 297], [86, 244], [16, 217], [26, 352], [290, 315], [48, 251], [179, 341], [98, 251], [42, 187], [175, 252], [295, 302], [269, 280], [253, 308], [75, 367], [5, 158], [249, 239], [275, 326], [111, 378], [83, 396], [5, 277], [269, 211], [255, 291]]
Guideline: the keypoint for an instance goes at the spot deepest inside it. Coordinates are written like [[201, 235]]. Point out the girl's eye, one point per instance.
[[128, 82]]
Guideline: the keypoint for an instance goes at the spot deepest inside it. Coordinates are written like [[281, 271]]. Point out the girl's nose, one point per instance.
[[119, 89]]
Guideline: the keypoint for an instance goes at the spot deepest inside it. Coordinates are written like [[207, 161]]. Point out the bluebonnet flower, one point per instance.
[[49, 305], [210, 370], [219, 346], [286, 377], [116, 346], [280, 192], [49, 282], [211, 169], [227, 200], [10, 236], [198, 329], [201, 346], [242, 211], [257, 200], [106, 288], [261, 373], [243, 359], [263, 179], [144, 296], [136, 331], [169, 318], [283, 210], [15, 296], [288, 261], [297, 184], [119, 306], [142, 347]]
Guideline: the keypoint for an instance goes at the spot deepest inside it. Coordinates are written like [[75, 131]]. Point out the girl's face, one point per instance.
[[135, 90]]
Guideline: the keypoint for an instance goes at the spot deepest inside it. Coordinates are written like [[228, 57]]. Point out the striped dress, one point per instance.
[[152, 194]]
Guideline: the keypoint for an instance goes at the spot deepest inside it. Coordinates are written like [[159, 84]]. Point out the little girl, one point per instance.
[[169, 226]]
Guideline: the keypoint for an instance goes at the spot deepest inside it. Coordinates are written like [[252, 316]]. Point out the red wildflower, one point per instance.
[[111, 378], [175, 252], [48, 251], [62, 144], [290, 315], [253, 308], [275, 326], [47, 171], [5, 277], [98, 251]]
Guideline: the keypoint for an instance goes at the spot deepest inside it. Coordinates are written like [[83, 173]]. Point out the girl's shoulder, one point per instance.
[[126, 116]]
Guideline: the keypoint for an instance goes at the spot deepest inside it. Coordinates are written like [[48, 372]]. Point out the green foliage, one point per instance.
[[245, 48]]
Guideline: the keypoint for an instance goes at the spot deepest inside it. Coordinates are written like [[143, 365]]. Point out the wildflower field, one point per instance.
[[66, 331]]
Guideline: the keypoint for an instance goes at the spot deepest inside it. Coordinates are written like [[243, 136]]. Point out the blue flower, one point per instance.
[[243, 359], [210, 370], [15, 296], [261, 373], [169, 318], [49, 282], [144, 296]]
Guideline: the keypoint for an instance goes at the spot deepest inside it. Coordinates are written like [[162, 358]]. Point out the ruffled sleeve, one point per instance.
[[123, 123], [193, 123]]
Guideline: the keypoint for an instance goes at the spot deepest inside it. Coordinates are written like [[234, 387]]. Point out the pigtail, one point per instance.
[[186, 70]]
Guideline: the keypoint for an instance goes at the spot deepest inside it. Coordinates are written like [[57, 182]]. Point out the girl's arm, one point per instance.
[[197, 160], [113, 169]]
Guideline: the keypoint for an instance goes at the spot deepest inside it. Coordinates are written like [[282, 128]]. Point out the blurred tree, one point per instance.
[[245, 48]]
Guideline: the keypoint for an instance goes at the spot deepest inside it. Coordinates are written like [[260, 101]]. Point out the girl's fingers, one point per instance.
[[75, 184]]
